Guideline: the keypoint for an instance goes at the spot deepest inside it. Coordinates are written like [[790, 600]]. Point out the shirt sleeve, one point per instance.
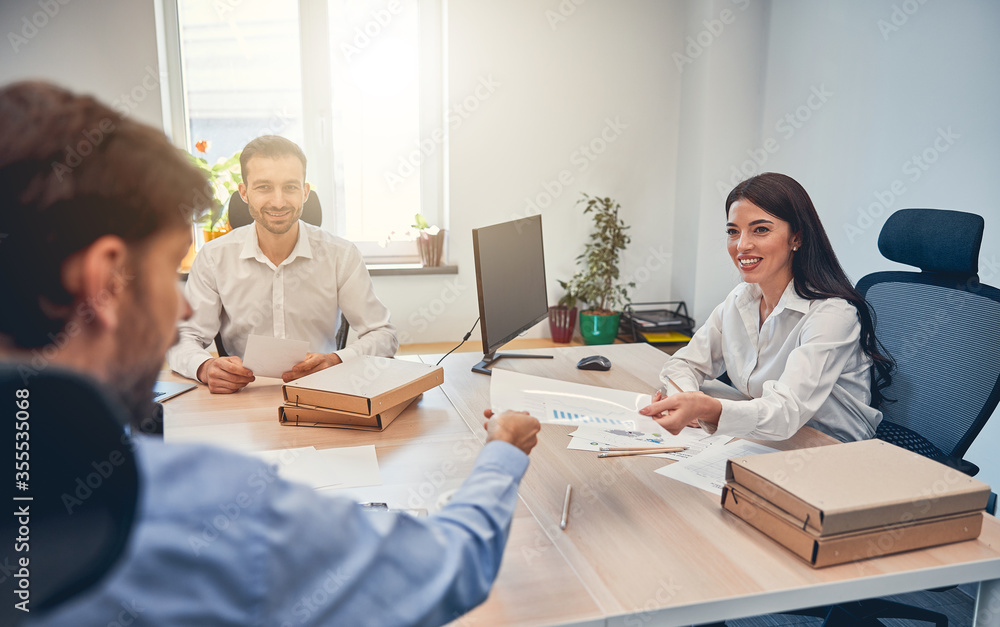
[[196, 333], [701, 359], [364, 311], [828, 339], [328, 562]]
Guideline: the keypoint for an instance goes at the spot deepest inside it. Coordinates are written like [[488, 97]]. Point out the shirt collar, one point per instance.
[[251, 246], [790, 299]]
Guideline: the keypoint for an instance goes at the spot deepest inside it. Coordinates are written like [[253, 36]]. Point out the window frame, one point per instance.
[[317, 104]]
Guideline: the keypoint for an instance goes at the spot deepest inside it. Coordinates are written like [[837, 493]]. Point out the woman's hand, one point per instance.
[[683, 410]]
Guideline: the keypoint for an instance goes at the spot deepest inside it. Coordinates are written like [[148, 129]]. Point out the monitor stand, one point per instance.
[[492, 358]]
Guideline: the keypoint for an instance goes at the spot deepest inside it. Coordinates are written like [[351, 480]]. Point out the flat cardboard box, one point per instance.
[[365, 385], [304, 416], [852, 546], [857, 485]]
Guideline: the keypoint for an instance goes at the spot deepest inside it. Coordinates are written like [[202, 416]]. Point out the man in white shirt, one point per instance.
[[277, 277]]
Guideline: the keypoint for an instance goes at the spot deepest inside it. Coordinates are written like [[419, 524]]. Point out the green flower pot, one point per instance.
[[599, 329]]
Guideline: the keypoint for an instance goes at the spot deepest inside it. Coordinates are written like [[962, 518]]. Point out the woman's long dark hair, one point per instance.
[[815, 269]]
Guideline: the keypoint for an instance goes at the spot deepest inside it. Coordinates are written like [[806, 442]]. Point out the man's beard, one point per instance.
[[263, 219], [139, 357]]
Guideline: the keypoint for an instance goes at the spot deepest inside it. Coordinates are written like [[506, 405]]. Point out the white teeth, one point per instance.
[[749, 262]]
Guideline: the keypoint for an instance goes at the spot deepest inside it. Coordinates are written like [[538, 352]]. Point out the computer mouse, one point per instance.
[[594, 362]]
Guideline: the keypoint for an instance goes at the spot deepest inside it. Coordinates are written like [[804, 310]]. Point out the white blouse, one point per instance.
[[804, 365]]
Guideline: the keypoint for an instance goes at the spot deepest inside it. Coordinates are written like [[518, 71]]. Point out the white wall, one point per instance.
[[894, 74], [559, 79], [107, 49]]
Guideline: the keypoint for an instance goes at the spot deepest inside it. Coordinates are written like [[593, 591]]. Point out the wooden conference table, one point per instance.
[[640, 549]]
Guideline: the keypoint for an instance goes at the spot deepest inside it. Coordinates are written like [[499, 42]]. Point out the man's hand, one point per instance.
[[517, 428], [314, 362], [224, 375], [680, 410]]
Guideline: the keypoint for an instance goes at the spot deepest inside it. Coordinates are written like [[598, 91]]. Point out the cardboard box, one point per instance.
[[857, 485], [304, 416], [852, 546], [366, 385]]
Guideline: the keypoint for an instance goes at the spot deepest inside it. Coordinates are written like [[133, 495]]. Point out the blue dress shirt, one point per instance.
[[221, 540]]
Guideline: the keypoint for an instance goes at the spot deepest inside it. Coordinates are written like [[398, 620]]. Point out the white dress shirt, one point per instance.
[[804, 365], [234, 287]]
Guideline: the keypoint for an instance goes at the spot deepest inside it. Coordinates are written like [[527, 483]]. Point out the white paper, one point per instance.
[[707, 470], [562, 402], [695, 439], [273, 356], [348, 467]]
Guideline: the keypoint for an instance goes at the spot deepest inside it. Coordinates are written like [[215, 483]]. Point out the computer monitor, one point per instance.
[[510, 277]]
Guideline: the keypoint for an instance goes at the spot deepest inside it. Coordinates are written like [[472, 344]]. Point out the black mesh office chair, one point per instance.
[[942, 326], [80, 474], [239, 215]]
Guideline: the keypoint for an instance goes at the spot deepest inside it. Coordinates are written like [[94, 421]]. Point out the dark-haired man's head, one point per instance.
[[95, 215], [274, 187]]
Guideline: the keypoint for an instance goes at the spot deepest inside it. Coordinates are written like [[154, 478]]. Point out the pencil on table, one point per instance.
[[652, 451], [660, 449], [565, 512], [674, 383]]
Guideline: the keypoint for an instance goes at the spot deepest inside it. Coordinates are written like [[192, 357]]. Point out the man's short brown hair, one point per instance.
[[272, 147], [71, 171]]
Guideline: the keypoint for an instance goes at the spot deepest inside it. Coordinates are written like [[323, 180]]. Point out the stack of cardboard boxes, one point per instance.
[[366, 393], [846, 502]]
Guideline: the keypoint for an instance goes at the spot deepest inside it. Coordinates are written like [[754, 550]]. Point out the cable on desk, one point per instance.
[[464, 340]]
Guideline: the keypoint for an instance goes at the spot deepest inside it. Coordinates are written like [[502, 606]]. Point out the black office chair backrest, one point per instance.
[[80, 475], [239, 212], [942, 326]]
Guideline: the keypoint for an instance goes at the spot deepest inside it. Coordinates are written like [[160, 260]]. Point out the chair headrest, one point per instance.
[[83, 481], [934, 240]]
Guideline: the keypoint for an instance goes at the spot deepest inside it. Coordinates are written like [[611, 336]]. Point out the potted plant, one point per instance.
[[562, 317], [430, 240], [224, 176], [597, 284]]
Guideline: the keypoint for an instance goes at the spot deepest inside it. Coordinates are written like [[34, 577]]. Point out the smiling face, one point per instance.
[[761, 245], [275, 192]]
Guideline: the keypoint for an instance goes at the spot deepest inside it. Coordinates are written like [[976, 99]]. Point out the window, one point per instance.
[[356, 83]]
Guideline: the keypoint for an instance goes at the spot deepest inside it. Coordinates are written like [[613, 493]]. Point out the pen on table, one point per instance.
[[565, 513], [652, 451]]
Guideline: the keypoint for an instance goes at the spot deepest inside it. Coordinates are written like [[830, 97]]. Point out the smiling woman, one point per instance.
[[795, 337]]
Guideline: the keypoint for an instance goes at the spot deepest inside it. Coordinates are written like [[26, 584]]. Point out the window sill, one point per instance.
[[406, 269]]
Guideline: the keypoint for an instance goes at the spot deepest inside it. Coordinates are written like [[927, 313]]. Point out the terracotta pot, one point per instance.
[[431, 247], [561, 323]]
